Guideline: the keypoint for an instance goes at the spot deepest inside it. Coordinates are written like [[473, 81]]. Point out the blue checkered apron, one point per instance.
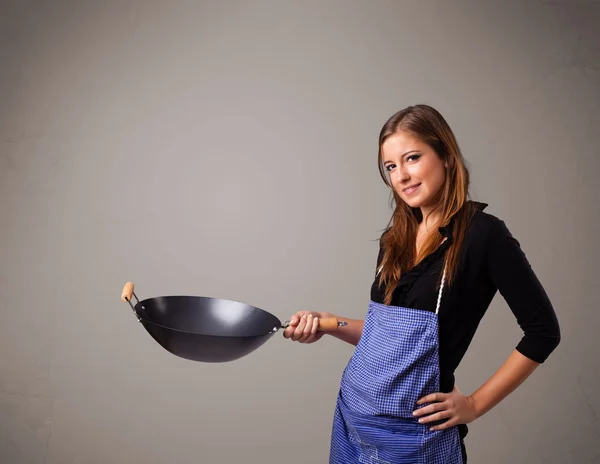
[[394, 364]]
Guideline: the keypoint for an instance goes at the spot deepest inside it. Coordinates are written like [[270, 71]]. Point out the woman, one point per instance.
[[441, 261]]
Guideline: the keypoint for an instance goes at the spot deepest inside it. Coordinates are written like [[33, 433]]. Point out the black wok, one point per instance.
[[208, 329]]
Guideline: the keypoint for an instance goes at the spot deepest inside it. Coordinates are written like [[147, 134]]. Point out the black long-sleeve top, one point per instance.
[[491, 260]]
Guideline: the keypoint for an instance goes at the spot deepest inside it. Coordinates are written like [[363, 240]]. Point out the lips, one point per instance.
[[411, 189]]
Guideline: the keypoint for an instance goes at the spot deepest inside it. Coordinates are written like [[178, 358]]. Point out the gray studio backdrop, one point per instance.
[[228, 149]]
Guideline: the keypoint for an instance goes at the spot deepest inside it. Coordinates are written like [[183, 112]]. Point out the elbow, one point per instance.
[[550, 342], [551, 345], [539, 348], [540, 339], [554, 338]]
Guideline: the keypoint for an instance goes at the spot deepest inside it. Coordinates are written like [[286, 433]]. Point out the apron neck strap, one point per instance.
[[437, 308]]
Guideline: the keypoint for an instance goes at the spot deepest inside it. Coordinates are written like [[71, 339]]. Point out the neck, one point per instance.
[[431, 215]]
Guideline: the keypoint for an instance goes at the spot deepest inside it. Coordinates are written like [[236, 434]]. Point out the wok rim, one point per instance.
[[145, 319]]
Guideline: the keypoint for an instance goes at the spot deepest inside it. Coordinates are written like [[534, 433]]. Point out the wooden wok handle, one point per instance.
[[328, 324], [127, 292]]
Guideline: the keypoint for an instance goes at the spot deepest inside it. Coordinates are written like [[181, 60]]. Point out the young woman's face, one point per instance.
[[416, 171]]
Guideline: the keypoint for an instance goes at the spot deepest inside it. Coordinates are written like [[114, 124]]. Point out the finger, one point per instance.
[[299, 328], [431, 398], [435, 417], [307, 328], [430, 409], [293, 322], [312, 337], [449, 423], [288, 331]]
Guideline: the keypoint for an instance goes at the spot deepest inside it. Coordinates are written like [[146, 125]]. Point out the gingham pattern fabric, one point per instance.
[[395, 363]]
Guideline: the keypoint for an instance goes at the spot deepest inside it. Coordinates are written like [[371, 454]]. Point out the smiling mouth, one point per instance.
[[411, 189]]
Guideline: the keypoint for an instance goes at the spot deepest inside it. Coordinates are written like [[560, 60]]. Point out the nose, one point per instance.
[[401, 175]]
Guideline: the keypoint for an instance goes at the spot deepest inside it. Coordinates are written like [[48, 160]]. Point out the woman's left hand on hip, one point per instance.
[[455, 407]]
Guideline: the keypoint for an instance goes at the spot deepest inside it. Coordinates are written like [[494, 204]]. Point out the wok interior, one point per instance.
[[208, 316]]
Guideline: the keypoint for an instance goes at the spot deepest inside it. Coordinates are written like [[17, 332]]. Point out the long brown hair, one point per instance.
[[398, 241]]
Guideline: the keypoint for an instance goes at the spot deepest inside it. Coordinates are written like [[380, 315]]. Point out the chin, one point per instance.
[[413, 202]]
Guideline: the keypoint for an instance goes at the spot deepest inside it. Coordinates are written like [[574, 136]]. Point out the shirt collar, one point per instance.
[[446, 230]]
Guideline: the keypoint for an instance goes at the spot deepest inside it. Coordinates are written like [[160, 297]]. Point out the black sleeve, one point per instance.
[[516, 281]]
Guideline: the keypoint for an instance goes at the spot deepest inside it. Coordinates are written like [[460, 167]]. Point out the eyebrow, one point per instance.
[[403, 155]]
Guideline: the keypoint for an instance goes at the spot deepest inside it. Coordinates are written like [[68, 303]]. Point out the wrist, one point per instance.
[[475, 406]]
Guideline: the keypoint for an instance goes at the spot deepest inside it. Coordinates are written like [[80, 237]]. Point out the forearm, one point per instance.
[[506, 379], [349, 333]]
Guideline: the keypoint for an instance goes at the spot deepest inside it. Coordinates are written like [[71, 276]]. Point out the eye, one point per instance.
[[389, 167], [414, 157]]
